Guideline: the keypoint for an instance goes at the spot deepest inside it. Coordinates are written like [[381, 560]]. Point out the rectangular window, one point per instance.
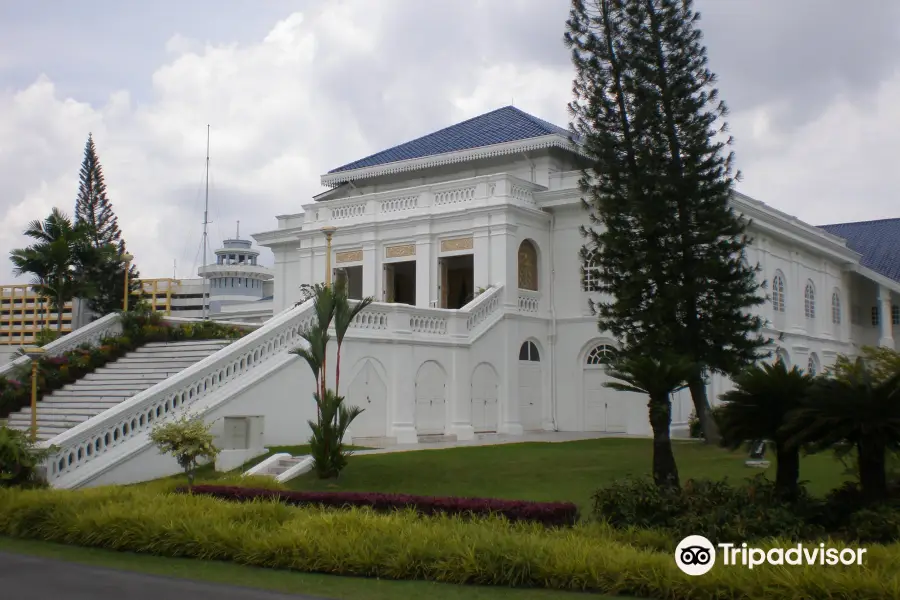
[[876, 314], [895, 314]]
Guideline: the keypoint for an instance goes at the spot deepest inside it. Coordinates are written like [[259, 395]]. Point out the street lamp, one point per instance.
[[127, 258], [34, 354], [329, 232]]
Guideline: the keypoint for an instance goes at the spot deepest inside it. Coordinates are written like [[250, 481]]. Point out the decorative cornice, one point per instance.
[[447, 158]]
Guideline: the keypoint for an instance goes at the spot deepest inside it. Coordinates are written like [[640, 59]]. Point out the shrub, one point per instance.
[[20, 460], [547, 513], [400, 545], [188, 440], [714, 509]]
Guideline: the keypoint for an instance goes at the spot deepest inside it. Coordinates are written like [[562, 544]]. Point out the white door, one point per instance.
[[530, 396], [368, 392], [605, 409], [430, 400], [484, 399]]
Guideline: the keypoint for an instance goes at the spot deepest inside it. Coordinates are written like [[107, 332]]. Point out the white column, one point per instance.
[[423, 272], [510, 422], [371, 271], [481, 247], [305, 266], [460, 395], [402, 385], [796, 286], [504, 252], [886, 327]]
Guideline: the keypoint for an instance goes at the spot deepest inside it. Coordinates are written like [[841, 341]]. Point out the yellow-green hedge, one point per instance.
[[404, 546]]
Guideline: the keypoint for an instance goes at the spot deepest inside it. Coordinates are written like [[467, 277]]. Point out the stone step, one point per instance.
[[125, 377], [61, 422], [100, 386], [139, 363], [53, 412], [277, 470], [135, 370], [152, 346], [436, 438], [153, 358], [79, 393], [98, 404]]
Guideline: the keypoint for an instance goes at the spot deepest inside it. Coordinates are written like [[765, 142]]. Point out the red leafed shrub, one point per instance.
[[547, 513]]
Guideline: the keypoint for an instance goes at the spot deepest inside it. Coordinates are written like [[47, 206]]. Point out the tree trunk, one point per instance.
[[701, 406], [872, 470], [665, 470], [59, 314], [337, 369], [787, 472]]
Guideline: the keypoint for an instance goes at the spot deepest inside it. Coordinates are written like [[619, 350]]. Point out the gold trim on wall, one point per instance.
[[348, 256], [400, 251], [457, 244]]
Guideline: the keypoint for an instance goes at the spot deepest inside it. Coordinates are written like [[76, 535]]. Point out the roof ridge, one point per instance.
[[862, 222]]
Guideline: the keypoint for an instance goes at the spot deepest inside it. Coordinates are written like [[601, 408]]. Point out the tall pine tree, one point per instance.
[[669, 250], [95, 212]]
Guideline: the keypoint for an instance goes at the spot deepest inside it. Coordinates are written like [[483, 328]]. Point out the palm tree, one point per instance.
[[54, 259], [317, 336], [856, 410], [344, 313], [757, 409], [657, 378]]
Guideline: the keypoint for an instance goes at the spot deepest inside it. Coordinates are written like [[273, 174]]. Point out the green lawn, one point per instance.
[[546, 471], [326, 586]]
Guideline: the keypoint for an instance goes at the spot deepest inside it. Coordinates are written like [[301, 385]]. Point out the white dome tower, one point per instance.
[[236, 277]]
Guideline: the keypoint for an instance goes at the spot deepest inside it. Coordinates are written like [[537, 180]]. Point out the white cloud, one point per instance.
[[332, 85]]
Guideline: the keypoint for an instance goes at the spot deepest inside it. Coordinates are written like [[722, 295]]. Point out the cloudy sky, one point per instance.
[[292, 89]]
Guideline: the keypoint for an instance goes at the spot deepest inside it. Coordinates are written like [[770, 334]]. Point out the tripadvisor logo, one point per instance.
[[696, 555]]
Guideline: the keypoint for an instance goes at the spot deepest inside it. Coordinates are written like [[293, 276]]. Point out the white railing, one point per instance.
[[400, 204], [455, 196], [90, 334], [522, 194], [348, 211], [435, 324], [482, 307], [529, 302], [235, 324], [135, 416]]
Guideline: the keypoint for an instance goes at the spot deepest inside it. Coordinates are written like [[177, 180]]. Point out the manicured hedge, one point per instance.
[[401, 545], [546, 513]]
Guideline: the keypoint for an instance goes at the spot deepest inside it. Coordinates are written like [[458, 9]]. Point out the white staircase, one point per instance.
[[282, 467], [110, 385]]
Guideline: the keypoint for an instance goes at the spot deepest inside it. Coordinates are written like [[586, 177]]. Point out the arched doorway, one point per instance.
[[605, 409], [431, 399], [485, 389], [369, 392], [530, 387]]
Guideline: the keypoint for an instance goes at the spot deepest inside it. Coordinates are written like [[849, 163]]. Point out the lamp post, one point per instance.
[[34, 354], [127, 258], [329, 232]]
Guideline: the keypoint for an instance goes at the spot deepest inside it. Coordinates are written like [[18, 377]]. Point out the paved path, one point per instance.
[[35, 578]]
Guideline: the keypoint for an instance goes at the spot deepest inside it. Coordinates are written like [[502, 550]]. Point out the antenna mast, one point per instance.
[[205, 232]]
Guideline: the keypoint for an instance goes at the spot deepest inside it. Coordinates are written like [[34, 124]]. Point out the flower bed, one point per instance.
[[546, 513], [139, 328]]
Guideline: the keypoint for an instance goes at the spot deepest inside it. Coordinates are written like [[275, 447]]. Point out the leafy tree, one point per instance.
[[95, 211], [20, 459], [188, 440], [857, 411], [668, 250], [883, 363], [56, 260], [344, 313], [333, 417], [657, 378], [758, 408]]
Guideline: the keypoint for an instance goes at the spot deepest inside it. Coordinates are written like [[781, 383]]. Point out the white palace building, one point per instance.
[[494, 201], [468, 239]]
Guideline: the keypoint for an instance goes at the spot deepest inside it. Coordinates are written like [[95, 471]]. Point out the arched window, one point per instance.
[[590, 272], [782, 355], [835, 308], [778, 292], [600, 354], [812, 366], [528, 268], [809, 301], [529, 352]]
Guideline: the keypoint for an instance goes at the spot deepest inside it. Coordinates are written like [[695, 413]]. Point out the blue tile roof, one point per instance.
[[507, 124], [877, 241]]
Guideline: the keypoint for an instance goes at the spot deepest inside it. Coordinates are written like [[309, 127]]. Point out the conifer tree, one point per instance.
[[667, 249], [94, 210]]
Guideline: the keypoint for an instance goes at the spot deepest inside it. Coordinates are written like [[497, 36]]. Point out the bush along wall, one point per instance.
[[546, 513], [402, 545], [138, 328]]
